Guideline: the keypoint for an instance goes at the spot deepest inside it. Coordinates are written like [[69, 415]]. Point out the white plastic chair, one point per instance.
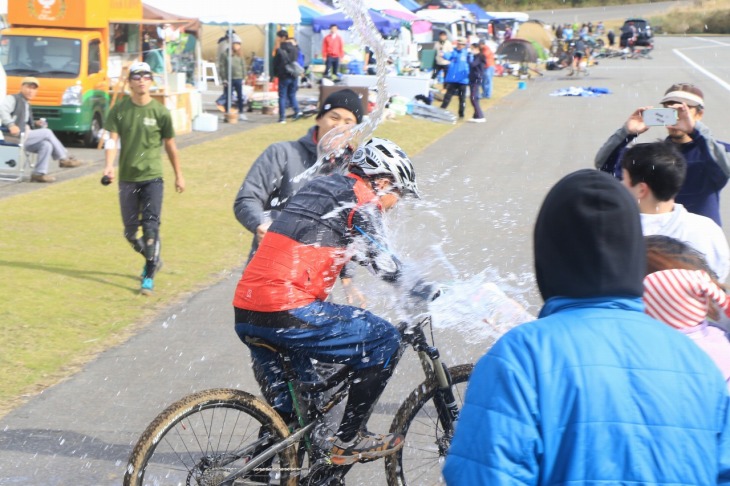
[[210, 72]]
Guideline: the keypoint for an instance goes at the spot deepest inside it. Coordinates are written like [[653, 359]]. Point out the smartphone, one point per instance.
[[660, 117]]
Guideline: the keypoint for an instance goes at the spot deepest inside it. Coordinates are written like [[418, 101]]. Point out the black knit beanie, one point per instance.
[[344, 98]]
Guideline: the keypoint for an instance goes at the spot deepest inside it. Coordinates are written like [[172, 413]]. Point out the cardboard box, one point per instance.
[[176, 82], [325, 91]]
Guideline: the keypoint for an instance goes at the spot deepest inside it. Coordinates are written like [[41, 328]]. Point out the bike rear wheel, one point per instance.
[[426, 442], [206, 436]]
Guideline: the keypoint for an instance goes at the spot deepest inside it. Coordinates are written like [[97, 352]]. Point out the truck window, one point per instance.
[[42, 57], [94, 57]]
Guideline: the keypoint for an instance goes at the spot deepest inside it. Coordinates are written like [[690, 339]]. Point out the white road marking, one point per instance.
[[704, 71]]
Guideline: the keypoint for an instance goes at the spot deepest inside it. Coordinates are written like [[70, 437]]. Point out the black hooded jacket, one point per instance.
[[286, 53], [588, 239]]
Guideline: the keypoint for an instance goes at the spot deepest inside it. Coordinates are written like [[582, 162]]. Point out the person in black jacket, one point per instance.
[[288, 82], [477, 61]]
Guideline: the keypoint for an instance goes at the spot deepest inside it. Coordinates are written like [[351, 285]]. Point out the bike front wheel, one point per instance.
[[205, 437], [426, 441]]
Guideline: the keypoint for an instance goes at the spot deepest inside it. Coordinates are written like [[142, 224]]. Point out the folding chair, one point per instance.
[[13, 160]]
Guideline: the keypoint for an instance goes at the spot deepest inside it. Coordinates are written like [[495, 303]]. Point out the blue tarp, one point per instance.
[[387, 26], [482, 16], [584, 92], [411, 5]]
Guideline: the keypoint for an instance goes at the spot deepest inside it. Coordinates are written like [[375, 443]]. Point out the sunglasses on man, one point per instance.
[[141, 76]]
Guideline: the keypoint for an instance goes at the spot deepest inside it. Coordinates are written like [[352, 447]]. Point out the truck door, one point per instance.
[[99, 94]]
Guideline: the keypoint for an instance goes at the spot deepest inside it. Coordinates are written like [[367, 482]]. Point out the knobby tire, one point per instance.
[[420, 461], [207, 424]]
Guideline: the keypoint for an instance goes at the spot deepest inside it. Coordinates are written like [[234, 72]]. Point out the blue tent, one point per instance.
[[308, 15], [411, 5], [482, 16], [387, 26]]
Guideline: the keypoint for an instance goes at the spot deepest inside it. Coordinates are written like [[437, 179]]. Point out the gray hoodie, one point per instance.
[[270, 182]]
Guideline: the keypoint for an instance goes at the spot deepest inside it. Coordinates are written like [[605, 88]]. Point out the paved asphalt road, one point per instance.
[[610, 12], [483, 185]]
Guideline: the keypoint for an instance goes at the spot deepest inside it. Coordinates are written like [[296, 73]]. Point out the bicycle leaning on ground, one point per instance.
[[230, 437], [638, 52]]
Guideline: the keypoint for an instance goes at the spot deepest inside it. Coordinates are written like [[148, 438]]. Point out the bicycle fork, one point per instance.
[[444, 399]]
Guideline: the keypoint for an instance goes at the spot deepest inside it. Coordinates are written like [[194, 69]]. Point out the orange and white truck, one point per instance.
[[67, 45]]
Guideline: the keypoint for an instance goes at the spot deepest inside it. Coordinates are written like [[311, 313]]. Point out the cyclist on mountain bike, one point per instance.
[[281, 296]]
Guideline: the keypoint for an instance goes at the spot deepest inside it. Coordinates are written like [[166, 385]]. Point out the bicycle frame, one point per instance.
[[433, 368]]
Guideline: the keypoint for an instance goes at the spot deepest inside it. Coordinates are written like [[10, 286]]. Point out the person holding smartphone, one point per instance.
[[708, 161]]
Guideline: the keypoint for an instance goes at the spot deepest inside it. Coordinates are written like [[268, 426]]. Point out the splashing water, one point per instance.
[[336, 147], [479, 308]]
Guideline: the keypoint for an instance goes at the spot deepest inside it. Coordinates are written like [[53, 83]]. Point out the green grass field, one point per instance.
[[71, 281]]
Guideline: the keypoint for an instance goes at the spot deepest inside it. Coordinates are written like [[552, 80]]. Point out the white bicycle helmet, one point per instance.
[[382, 157]]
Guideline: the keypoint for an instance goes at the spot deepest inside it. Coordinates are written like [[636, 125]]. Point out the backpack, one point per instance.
[[293, 68]]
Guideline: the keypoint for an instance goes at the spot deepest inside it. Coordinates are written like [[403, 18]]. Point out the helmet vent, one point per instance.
[[383, 149]]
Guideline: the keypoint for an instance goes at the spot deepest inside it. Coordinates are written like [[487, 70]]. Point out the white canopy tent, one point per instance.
[[230, 12], [381, 5]]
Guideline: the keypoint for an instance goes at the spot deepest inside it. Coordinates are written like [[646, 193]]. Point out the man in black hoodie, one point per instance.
[[595, 391]]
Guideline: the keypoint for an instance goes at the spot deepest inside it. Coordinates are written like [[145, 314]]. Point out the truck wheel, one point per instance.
[[91, 138]]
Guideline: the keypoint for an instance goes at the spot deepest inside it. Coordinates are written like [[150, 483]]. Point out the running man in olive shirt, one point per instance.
[[143, 126]]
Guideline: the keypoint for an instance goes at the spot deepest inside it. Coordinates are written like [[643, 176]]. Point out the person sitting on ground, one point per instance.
[[680, 291], [274, 176], [654, 174], [16, 115], [282, 294], [594, 391], [708, 163], [371, 64]]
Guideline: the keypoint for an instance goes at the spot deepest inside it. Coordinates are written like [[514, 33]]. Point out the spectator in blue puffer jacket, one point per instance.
[[457, 77], [594, 391]]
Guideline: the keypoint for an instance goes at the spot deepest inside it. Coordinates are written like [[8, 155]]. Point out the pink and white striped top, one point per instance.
[[681, 298]]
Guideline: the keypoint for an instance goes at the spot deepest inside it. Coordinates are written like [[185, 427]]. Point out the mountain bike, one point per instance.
[[231, 437]]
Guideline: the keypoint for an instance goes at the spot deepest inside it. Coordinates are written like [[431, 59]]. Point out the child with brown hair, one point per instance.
[[680, 291]]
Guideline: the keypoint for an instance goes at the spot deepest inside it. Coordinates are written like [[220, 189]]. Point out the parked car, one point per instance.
[[643, 32]]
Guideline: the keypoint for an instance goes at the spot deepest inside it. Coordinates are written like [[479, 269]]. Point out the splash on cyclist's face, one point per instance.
[[388, 193]]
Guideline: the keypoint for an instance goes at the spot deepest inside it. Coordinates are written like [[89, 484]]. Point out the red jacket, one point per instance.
[[332, 46], [489, 55], [304, 250]]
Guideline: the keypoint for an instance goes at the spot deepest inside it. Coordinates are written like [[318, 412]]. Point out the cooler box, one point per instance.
[[205, 122], [356, 67]]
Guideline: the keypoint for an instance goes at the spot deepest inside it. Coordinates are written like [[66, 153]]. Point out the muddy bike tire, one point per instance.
[[199, 430], [420, 461]]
